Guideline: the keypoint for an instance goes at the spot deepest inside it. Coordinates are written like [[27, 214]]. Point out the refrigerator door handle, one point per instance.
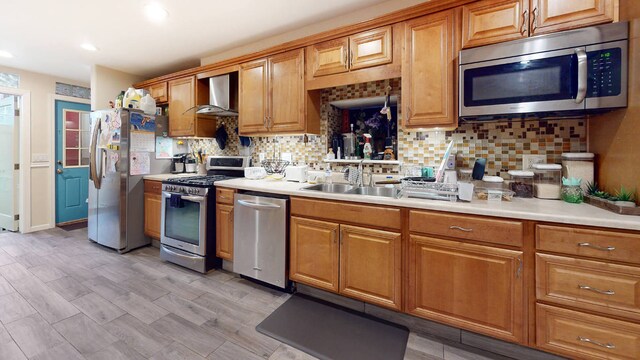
[[93, 173]]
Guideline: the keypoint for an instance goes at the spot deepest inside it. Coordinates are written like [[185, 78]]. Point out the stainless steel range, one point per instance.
[[188, 224]]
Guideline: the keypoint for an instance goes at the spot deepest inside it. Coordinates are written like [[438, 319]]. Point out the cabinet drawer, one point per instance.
[[585, 336], [347, 212], [601, 244], [489, 230], [592, 285], [224, 196], [153, 187]]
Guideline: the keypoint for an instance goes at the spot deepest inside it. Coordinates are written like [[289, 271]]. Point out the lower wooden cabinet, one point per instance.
[[314, 252], [224, 231], [473, 287], [370, 265], [585, 336], [354, 261], [152, 208]]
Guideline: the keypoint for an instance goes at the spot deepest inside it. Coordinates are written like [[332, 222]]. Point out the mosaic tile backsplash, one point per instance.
[[501, 143]]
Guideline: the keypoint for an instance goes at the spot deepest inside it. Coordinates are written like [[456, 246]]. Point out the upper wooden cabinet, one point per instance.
[[272, 96], [366, 49], [554, 15], [429, 90], [183, 120], [159, 92], [488, 21]]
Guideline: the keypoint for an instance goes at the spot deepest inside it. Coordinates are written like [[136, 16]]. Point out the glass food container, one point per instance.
[[464, 175], [547, 181], [521, 183], [579, 166]]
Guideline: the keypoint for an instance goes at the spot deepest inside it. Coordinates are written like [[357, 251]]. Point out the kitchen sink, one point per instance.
[[330, 188], [374, 191]]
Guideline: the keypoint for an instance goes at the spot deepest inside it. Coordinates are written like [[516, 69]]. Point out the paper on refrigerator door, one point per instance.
[[111, 165], [142, 141], [139, 163]]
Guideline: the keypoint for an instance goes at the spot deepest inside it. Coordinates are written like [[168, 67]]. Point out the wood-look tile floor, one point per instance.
[[64, 297]]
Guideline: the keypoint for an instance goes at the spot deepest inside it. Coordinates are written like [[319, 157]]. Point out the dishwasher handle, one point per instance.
[[258, 206]]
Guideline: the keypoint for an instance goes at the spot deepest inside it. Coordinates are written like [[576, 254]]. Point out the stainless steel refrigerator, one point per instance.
[[116, 198]]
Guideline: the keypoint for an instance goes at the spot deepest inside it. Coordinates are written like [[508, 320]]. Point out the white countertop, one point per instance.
[[526, 209], [162, 177]]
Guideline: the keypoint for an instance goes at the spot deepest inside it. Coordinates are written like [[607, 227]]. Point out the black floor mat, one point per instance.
[[328, 331], [74, 226]]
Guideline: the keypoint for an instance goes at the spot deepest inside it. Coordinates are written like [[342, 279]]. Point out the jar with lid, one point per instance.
[[464, 175], [579, 166], [492, 182], [521, 183], [547, 181]]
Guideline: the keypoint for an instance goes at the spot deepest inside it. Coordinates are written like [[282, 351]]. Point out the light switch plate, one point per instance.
[[529, 160], [39, 157]]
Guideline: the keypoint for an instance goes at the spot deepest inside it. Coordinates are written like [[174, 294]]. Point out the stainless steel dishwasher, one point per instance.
[[260, 237]]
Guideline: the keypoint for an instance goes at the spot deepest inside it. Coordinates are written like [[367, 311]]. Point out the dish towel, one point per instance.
[[175, 201]]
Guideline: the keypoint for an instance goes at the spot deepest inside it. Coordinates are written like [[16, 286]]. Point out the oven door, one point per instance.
[[185, 227], [551, 81]]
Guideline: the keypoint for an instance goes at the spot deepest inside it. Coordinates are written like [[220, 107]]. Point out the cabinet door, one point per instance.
[[181, 99], [370, 48], [487, 22], [428, 71], [224, 231], [286, 83], [314, 250], [370, 265], [473, 287], [330, 57], [553, 15], [252, 103], [152, 215], [159, 92]]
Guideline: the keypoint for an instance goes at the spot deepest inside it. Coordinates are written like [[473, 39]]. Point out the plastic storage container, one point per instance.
[[521, 183], [547, 181], [464, 175], [579, 166], [492, 182]]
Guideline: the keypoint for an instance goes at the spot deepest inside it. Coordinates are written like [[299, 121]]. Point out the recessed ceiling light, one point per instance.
[[89, 47], [155, 12], [5, 54]]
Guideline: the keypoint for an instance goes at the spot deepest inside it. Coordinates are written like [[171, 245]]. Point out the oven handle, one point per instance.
[[165, 248], [582, 75], [198, 199], [258, 206]]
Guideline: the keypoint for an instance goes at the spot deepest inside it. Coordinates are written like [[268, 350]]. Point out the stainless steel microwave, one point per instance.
[[559, 74]]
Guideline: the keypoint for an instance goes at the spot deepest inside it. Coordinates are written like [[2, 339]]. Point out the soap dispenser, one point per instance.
[[367, 150]]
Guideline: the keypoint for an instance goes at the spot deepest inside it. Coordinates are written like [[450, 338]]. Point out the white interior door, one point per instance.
[[9, 173]]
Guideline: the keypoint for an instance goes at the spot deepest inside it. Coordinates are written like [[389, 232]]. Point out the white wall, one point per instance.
[[107, 83], [336, 22], [41, 140]]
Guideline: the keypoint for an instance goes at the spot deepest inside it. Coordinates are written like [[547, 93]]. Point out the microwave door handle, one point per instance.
[[581, 54]]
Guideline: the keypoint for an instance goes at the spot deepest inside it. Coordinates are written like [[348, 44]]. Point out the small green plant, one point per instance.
[[625, 195], [601, 194], [592, 188]]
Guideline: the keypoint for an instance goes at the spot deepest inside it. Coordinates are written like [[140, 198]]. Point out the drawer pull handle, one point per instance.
[[603, 248], [519, 270], [587, 340], [604, 292], [454, 227]]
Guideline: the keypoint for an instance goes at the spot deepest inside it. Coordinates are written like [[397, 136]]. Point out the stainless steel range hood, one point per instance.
[[223, 96]]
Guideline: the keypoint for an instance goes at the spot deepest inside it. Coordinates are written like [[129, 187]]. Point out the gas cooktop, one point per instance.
[[197, 181]]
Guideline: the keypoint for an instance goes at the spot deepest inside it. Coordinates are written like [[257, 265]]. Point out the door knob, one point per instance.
[[59, 162], [59, 171]]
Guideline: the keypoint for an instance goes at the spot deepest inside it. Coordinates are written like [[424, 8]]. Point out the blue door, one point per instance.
[[72, 161]]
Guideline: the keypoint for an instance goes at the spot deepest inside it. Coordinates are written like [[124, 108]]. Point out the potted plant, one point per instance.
[[624, 197]]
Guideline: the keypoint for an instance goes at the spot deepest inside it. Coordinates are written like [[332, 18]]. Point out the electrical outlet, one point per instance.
[[528, 160]]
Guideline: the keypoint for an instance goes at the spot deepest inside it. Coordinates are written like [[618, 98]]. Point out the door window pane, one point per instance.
[[72, 140], [71, 119], [76, 138], [85, 139], [84, 159], [71, 157]]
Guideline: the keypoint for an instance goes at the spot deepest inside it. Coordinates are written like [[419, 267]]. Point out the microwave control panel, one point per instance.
[[604, 72]]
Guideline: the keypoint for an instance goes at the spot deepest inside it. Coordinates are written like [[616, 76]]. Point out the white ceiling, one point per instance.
[[45, 36]]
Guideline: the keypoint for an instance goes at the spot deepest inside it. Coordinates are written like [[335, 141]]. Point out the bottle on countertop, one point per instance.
[[338, 154], [367, 150], [119, 100], [330, 155]]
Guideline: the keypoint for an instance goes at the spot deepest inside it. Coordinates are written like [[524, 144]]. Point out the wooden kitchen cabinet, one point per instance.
[[272, 96], [429, 90], [152, 208], [554, 15], [362, 50], [224, 231], [488, 21], [182, 98], [314, 252], [370, 265], [473, 287], [159, 92]]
